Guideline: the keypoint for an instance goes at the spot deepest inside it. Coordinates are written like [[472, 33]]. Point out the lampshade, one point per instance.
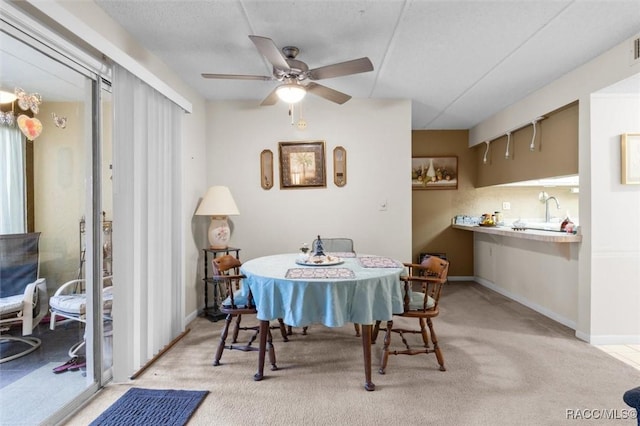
[[291, 93], [218, 203]]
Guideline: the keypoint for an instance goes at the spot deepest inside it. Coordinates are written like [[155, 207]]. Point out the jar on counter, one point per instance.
[[499, 218]]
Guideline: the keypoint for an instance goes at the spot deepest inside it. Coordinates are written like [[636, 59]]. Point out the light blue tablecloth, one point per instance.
[[374, 293]]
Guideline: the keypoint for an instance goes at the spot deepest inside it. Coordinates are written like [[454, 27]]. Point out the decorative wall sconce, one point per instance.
[[506, 153], [532, 146], [339, 166], [486, 151], [266, 169]]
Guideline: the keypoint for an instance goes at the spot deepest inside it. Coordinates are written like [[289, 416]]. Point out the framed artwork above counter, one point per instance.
[[434, 172]]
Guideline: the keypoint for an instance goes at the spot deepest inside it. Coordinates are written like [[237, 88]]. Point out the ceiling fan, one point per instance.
[[296, 76]]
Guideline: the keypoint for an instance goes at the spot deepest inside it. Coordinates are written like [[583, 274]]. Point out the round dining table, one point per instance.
[[360, 290]]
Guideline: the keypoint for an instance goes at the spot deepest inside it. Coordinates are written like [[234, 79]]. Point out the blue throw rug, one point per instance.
[[152, 407]]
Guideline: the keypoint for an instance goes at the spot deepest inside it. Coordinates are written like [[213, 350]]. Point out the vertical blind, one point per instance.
[[147, 237]]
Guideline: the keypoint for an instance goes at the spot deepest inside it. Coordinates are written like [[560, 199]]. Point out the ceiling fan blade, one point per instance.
[[237, 77], [354, 66], [269, 50], [327, 93], [271, 99]]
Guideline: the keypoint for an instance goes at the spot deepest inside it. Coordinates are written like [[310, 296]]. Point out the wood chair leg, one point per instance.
[[436, 348], [357, 328], [271, 350], [290, 331], [385, 348], [223, 339], [236, 329], [423, 331], [283, 330], [374, 333]]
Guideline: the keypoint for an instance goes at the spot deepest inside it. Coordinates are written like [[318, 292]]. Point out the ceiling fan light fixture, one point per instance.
[[291, 93]]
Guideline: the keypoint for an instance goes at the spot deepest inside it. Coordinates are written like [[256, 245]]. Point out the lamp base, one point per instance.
[[219, 232]]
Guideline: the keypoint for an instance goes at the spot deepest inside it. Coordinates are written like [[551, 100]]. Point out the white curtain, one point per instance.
[[147, 237], [12, 181]]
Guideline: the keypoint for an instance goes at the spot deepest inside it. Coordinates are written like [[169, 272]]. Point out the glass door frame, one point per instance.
[[17, 25]]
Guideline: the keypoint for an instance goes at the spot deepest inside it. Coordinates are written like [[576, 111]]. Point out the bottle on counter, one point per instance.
[[499, 218]]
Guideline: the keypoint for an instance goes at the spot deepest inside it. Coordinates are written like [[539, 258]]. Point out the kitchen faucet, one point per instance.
[[547, 217]]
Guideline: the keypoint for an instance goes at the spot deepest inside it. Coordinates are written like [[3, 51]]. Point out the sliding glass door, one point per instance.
[[55, 167]]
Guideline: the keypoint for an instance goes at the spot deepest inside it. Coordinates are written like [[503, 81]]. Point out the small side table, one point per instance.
[[213, 312]]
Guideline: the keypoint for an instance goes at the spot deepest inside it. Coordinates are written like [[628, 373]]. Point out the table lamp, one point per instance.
[[218, 203]]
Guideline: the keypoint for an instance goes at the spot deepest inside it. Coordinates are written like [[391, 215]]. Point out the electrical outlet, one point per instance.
[[506, 205]]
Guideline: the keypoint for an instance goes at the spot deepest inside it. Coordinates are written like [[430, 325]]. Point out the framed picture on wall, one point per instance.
[[302, 164], [434, 172], [630, 158]]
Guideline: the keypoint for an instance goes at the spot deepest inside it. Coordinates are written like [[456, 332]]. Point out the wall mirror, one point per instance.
[[266, 169], [339, 166]]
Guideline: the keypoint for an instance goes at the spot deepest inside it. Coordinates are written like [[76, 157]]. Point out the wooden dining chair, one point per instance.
[[430, 275], [335, 245], [226, 270]]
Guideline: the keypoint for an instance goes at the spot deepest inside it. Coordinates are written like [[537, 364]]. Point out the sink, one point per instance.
[[544, 226]]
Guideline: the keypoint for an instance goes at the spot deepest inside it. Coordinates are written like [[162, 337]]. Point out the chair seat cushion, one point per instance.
[[76, 304], [11, 304], [417, 301], [239, 298]]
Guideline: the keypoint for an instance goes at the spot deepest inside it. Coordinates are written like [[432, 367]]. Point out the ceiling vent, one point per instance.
[[635, 54]]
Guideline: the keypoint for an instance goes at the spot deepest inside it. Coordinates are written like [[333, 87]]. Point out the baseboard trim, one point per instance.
[[610, 339], [193, 315], [461, 278], [529, 304]]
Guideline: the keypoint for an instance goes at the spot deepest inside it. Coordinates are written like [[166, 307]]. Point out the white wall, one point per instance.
[[615, 218], [377, 137], [539, 274], [59, 191]]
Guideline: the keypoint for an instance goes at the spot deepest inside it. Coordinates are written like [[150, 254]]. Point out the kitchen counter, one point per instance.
[[528, 234], [537, 268]]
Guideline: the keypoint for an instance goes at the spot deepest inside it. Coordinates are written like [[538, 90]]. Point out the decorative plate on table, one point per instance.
[[320, 261]]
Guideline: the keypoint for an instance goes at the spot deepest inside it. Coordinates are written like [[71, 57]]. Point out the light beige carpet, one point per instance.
[[506, 365]]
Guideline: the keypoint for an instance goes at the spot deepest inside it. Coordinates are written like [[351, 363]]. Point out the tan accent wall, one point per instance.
[[555, 153], [433, 209]]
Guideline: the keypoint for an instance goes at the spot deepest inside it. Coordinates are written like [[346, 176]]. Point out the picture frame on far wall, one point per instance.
[[434, 172], [302, 164], [630, 158]]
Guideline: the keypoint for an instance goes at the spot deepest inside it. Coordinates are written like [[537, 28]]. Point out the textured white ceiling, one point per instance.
[[458, 61]]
